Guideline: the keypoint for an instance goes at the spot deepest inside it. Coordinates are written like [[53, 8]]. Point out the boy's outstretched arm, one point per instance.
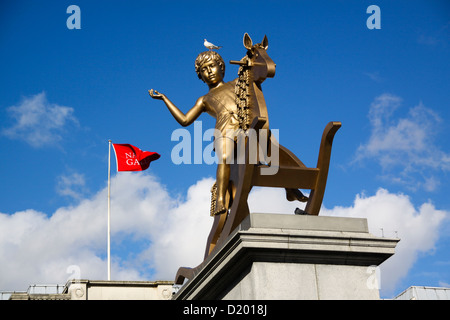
[[183, 119]]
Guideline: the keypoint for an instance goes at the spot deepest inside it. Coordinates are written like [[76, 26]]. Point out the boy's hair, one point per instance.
[[208, 56]]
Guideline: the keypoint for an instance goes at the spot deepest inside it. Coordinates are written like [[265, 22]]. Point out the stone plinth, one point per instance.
[[274, 256]]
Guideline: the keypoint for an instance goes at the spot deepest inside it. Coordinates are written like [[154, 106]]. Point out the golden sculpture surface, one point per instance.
[[241, 116]]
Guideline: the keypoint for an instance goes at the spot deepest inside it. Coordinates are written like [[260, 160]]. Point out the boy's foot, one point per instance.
[[219, 210]]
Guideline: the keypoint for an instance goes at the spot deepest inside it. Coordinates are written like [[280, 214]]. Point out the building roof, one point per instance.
[[424, 293]]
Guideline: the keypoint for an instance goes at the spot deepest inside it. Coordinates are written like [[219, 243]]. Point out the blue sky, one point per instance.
[[64, 93]]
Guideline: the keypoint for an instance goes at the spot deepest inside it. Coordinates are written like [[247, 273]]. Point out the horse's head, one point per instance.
[[263, 65], [255, 67], [257, 59]]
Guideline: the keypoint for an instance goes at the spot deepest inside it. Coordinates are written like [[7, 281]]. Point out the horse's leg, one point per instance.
[[323, 163], [216, 229]]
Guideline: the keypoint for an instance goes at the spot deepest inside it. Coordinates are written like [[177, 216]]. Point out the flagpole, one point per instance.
[[109, 210]]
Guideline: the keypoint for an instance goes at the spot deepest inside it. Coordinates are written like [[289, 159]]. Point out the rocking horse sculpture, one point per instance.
[[239, 106]]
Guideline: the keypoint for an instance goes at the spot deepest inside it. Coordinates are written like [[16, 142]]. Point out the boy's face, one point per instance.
[[211, 73]]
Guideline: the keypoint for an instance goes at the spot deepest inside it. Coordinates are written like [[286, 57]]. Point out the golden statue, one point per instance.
[[219, 102], [239, 107]]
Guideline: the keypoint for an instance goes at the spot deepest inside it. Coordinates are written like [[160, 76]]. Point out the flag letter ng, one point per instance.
[[131, 158]]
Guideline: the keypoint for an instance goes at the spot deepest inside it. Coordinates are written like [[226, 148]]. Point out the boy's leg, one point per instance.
[[224, 150], [222, 178]]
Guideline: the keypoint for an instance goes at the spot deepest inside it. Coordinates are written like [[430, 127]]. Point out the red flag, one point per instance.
[[131, 158]]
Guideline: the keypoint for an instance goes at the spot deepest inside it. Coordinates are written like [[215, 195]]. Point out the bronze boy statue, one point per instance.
[[220, 103]]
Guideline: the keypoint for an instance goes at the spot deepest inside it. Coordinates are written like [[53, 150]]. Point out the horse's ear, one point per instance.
[[265, 42], [248, 43]]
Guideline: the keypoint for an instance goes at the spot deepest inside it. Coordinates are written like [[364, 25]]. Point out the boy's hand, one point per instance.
[[155, 94]]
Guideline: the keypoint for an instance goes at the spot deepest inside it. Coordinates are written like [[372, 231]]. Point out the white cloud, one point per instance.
[[434, 37], [38, 122], [72, 185], [418, 229], [162, 232], [405, 147], [272, 200], [37, 248], [374, 76]]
